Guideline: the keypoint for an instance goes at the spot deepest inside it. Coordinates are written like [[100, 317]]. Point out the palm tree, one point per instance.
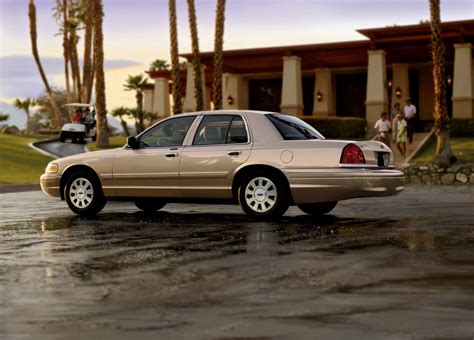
[[98, 55], [24, 105], [63, 12], [87, 75], [3, 117], [444, 153], [175, 66], [34, 48], [120, 112], [198, 90], [159, 65], [136, 83], [218, 55]]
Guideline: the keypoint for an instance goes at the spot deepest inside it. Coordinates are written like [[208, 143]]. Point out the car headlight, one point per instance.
[[52, 168]]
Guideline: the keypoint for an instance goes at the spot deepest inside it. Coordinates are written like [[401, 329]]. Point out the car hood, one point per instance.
[[88, 158]]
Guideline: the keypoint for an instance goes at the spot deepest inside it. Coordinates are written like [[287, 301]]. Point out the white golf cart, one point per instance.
[[83, 125]]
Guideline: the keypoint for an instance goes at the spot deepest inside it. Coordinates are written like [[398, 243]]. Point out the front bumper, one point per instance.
[[50, 184], [327, 185]]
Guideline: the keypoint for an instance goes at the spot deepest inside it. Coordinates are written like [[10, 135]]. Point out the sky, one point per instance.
[[136, 32]]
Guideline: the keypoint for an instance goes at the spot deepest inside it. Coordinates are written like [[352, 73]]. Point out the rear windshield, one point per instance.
[[292, 128]]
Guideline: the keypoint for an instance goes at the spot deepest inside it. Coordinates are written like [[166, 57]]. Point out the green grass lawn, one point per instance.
[[463, 148], [114, 142], [18, 162]]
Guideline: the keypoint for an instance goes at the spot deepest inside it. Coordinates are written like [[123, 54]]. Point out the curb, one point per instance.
[[11, 188], [34, 146]]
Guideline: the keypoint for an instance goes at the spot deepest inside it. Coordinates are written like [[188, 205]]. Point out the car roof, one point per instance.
[[77, 105]]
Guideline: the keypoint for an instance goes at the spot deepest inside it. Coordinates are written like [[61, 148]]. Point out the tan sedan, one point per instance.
[[263, 161]]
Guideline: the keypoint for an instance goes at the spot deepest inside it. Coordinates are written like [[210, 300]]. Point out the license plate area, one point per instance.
[[383, 159]]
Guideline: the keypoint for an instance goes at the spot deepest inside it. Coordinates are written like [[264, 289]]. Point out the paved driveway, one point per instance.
[[397, 267]]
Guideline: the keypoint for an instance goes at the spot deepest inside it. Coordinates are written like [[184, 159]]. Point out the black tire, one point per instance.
[[261, 203], [150, 204], [86, 188], [317, 209], [81, 138], [94, 138], [62, 137]]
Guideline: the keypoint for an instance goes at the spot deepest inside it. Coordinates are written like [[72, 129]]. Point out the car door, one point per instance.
[[152, 170], [221, 143]]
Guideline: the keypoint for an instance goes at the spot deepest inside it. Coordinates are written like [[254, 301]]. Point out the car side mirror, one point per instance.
[[133, 142]]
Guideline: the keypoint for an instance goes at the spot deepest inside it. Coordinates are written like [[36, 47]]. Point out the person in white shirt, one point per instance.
[[384, 129], [409, 111]]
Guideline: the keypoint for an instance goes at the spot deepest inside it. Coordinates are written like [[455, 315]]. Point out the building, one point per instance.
[[348, 79]]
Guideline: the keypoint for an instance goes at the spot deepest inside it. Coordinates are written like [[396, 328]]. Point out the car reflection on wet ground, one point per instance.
[[396, 267]]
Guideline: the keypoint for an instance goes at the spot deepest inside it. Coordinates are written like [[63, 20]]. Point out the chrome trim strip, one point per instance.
[[204, 174], [138, 176]]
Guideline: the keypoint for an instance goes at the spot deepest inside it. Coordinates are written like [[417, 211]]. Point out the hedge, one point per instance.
[[339, 127], [461, 128]]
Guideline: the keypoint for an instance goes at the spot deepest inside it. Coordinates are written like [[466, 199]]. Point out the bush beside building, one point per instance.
[[339, 127]]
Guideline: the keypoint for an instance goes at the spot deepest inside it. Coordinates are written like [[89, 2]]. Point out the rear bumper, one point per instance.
[[325, 185], [50, 184]]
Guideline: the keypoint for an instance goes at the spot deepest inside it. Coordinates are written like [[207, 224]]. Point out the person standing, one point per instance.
[[409, 111], [395, 111], [384, 129], [402, 134]]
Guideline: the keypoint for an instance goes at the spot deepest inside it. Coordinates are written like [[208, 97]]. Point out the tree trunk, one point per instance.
[[75, 66], [198, 90], [444, 154], [125, 127], [34, 48], [66, 52], [175, 69], [86, 71], [218, 55], [141, 118], [101, 110]]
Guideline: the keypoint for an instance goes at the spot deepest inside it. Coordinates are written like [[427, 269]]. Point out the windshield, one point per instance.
[[292, 128]]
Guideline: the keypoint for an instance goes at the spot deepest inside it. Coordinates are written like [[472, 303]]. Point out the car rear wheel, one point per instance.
[[150, 205], [84, 194], [317, 209], [264, 196], [62, 137]]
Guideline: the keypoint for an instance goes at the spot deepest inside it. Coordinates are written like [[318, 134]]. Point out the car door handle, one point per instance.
[[233, 153], [171, 154]]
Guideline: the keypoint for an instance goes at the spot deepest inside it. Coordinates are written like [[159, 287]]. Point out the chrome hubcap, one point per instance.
[[81, 193], [260, 194]]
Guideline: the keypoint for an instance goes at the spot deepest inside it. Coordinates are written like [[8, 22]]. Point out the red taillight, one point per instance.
[[352, 154]]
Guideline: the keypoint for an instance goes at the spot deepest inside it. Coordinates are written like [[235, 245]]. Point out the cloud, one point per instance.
[[19, 75]]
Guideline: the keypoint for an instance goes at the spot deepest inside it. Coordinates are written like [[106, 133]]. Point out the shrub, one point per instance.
[[339, 127], [462, 128]]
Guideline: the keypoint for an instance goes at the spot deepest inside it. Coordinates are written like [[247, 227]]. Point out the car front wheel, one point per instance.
[[150, 205], [84, 194], [317, 209], [264, 196]]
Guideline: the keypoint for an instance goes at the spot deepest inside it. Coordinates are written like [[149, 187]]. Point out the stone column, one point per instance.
[[463, 82], [189, 103], [161, 98], [292, 88], [323, 84], [400, 80], [233, 87], [148, 95], [376, 101]]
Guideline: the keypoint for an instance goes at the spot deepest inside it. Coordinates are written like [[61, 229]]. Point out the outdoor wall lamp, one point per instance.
[[449, 80], [389, 83], [398, 92], [319, 96], [230, 100]]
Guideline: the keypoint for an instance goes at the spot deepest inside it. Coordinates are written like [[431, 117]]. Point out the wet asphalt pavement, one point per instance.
[[60, 149], [396, 267]]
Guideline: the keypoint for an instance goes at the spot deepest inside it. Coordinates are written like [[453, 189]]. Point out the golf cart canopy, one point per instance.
[[78, 105]]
